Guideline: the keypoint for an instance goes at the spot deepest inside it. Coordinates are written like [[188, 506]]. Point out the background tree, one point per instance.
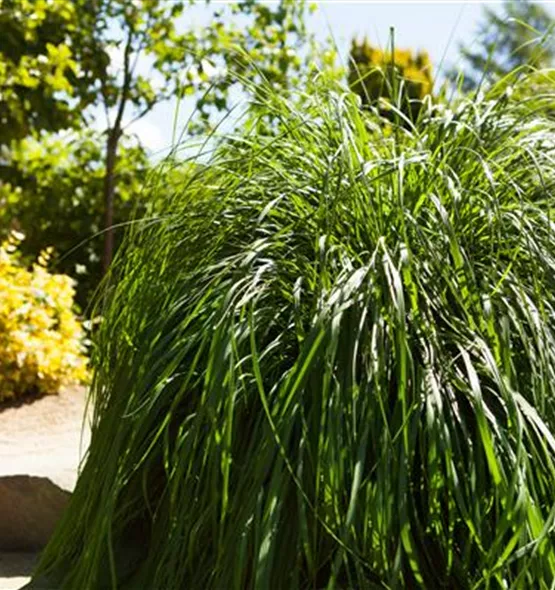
[[37, 67], [180, 62], [62, 62], [516, 35]]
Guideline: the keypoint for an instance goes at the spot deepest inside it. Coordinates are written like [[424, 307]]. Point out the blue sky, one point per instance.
[[437, 26]]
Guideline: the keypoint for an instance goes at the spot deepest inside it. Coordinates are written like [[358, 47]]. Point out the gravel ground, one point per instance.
[[41, 438], [44, 437]]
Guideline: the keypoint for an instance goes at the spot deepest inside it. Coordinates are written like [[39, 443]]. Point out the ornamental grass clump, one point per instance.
[[329, 362], [41, 338]]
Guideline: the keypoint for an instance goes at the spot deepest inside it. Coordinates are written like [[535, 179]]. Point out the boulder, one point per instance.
[[30, 507]]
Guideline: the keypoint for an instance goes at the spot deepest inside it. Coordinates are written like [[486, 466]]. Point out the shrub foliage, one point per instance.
[[41, 339], [330, 363], [51, 190], [376, 74]]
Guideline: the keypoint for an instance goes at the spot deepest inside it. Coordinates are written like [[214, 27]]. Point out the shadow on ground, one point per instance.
[[16, 569]]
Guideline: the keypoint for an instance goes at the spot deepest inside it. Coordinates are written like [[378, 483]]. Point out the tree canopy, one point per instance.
[[38, 72], [65, 62]]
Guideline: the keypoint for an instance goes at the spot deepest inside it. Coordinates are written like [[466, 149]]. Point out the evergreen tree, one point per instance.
[[401, 77], [515, 36]]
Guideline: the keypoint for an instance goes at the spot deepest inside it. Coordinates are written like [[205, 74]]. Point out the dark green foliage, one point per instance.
[[330, 363], [52, 192]]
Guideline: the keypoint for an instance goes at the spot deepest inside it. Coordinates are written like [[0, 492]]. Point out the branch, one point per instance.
[[142, 113], [142, 43], [105, 102], [162, 97], [127, 76]]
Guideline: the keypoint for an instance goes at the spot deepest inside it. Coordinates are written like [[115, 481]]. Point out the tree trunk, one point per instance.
[[109, 190], [114, 134]]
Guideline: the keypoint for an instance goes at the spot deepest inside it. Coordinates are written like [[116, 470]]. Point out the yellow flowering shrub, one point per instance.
[[373, 71], [41, 339]]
